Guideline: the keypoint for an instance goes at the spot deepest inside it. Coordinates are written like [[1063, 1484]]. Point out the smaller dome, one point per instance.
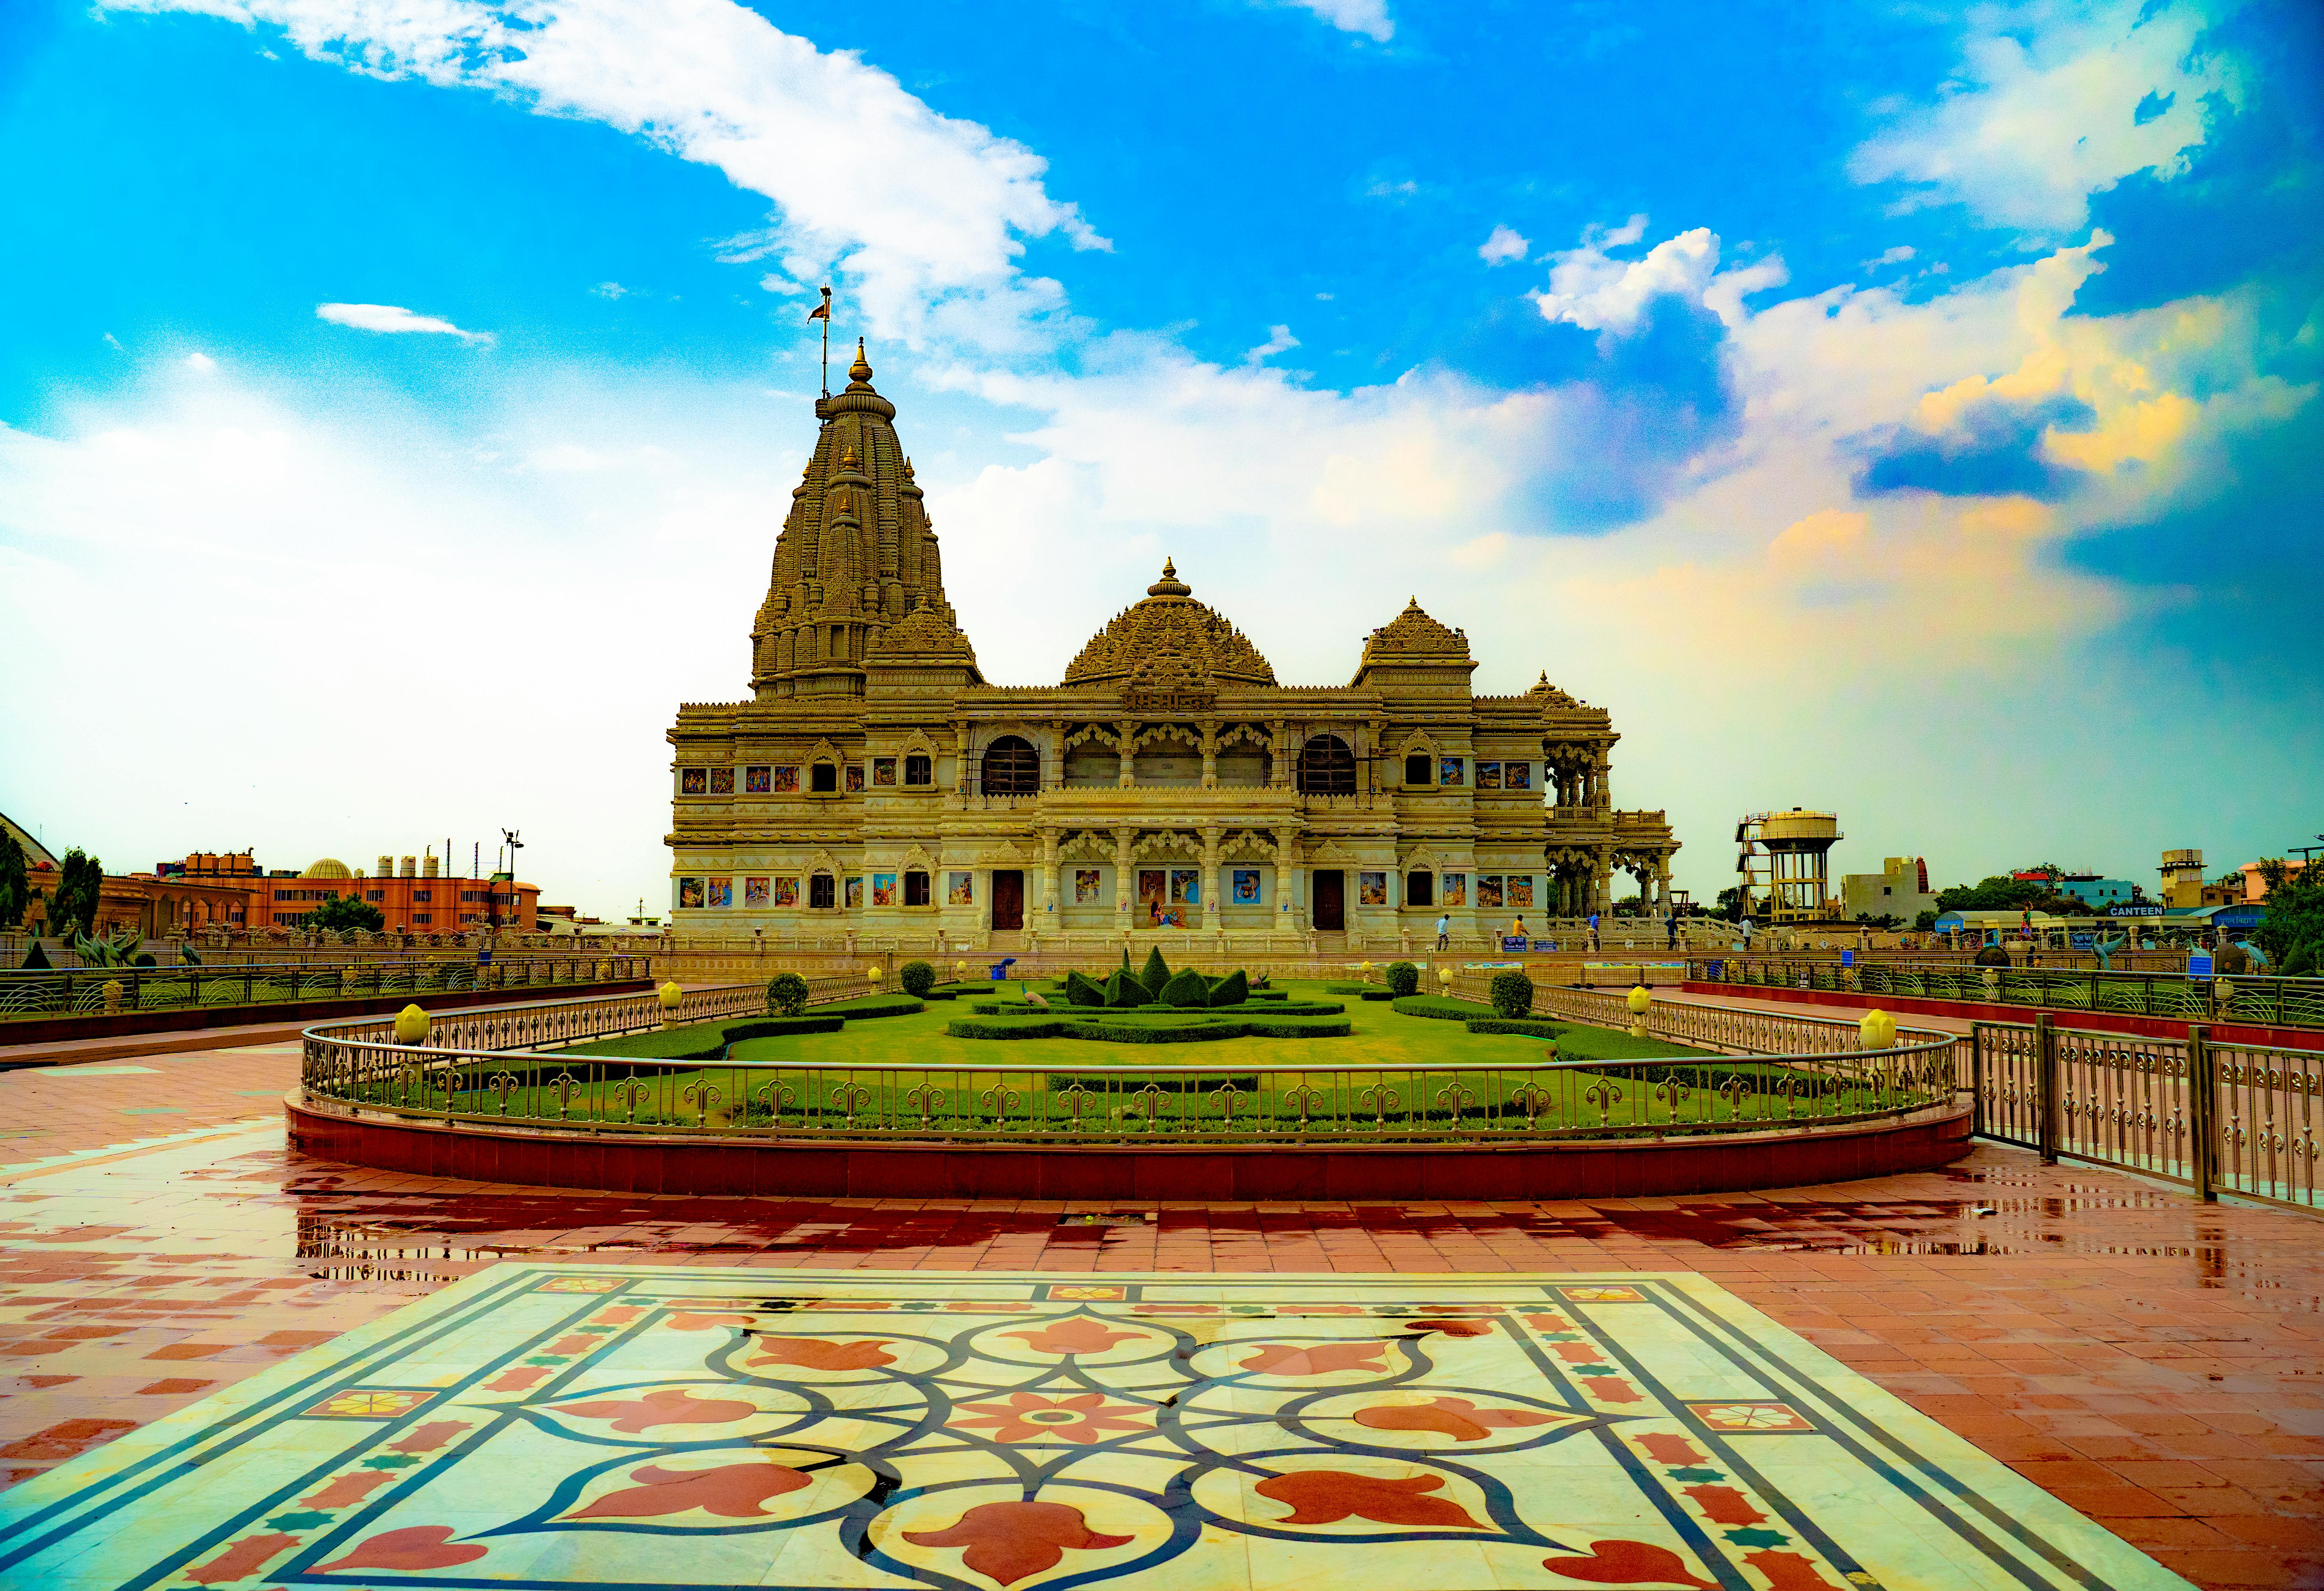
[[328, 867]]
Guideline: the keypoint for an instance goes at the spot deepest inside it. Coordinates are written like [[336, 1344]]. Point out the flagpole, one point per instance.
[[826, 342]]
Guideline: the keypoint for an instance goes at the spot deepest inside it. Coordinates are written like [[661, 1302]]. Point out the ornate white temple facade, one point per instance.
[[875, 792]]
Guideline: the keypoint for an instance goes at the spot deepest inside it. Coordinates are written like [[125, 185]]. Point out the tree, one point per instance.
[[1925, 922], [2292, 933], [15, 893], [72, 904], [1729, 905], [341, 913]]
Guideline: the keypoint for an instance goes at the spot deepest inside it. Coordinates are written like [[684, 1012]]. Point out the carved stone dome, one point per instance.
[[1170, 631]]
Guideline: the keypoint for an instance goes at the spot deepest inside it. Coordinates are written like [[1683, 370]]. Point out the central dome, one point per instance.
[[1171, 624]]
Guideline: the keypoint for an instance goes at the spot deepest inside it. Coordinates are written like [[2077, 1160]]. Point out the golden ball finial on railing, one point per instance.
[[873, 974], [411, 1025], [1877, 1029], [670, 994], [1640, 1002]]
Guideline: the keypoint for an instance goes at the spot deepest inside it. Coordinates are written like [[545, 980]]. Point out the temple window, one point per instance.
[[916, 888], [919, 769], [1011, 767], [1420, 889], [821, 891], [1419, 768], [823, 778], [1327, 767]]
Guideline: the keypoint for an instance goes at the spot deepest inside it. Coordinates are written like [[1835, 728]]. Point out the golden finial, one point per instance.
[[1169, 585], [860, 373], [848, 460]]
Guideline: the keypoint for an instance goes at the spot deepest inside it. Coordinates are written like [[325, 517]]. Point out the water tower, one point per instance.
[[1783, 865]]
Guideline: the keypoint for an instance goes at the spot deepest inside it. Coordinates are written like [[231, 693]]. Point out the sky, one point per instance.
[[1911, 412]]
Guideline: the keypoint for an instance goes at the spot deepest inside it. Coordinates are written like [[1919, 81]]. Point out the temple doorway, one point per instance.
[[1008, 898], [1330, 900]]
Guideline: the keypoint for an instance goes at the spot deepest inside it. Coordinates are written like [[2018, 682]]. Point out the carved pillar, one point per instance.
[[1123, 878], [1662, 882], [1053, 757], [1128, 731], [1279, 773], [1601, 893], [1210, 856], [1287, 851], [1210, 728], [1052, 901]]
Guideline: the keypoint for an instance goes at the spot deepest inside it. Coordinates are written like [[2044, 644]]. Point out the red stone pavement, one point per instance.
[[2150, 1360]]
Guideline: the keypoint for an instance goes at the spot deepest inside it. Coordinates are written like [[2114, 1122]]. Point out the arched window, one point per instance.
[[1419, 768], [823, 778], [1012, 767], [916, 888], [822, 891], [1420, 889], [1327, 767]]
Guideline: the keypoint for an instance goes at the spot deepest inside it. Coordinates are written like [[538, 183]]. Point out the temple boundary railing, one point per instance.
[[2218, 1117], [2275, 1001], [106, 990], [493, 1068]]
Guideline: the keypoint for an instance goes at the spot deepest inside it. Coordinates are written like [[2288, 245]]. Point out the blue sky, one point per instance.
[[1907, 410]]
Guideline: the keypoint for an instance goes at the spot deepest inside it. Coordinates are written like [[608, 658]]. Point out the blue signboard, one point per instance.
[[1512, 943], [2199, 965], [2082, 941], [1848, 959]]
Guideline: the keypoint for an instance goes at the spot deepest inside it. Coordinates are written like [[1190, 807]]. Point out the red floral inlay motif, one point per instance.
[[1628, 1563], [1007, 1541], [348, 1489], [731, 1491], [240, 1560], [1079, 1335], [1081, 1417], [434, 1434], [1327, 1496], [688, 1320], [1724, 1505], [1452, 1328], [521, 1379], [1315, 1358], [1457, 1418], [816, 1353], [415, 1547], [1610, 1388], [669, 1406], [1788, 1571], [1671, 1449]]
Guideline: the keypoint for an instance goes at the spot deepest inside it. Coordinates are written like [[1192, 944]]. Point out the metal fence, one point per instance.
[[495, 1068], [2264, 1001], [94, 991], [1731, 1030], [2242, 1119]]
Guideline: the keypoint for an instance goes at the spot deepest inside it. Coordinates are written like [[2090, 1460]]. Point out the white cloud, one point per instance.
[[1384, 189], [1279, 340], [395, 318], [927, 214], [200, 363], [1894, 256], [612, 289], [2044, 111], [1502, 246], [1368, 17], [1591, 290]]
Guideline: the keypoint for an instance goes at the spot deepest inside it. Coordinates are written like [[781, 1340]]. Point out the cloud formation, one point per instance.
[[1368, 17], [2051, 104], [1504, 245], [395, 317], [929, 216]]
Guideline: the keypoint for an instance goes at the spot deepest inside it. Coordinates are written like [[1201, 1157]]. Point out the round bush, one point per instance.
[[916, 978], [1403, 978], [1993, 956], [1512, 992], [787, 994]]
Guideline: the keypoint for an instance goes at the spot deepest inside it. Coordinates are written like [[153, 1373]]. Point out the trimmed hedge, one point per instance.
[[1270, 994], [1440, 1007], [1233, 989], [867, 1007], [1267, 1027], [1154, 974], [787, 994], [1122, 991], [1511, 993], [1149, 1032], [1532, 1025], [1083, 991], [1185, 989], [1002, 1027], [916, 978], [1403, 978]]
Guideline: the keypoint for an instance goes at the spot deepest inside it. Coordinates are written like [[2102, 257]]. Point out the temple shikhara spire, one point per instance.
[[876, 789]]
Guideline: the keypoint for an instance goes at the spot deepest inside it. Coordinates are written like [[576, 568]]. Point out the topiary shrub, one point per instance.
[[1154, 974], [864, 1006], [1403, 978], [1233, 989], [1440, 1006], [146, 959], [787, 993], [36, 959], [916, 978], [1001, 1027], [1260, 994], [1185, 988], [1083, 991], [1272, 1027], [1122, 990], [1532, 1026], [1511, 993], [1992, 955]]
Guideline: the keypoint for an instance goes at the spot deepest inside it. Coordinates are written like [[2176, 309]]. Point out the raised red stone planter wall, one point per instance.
[[640, 1163], [50, 1030]]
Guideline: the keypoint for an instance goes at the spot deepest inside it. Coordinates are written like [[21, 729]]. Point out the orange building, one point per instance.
[[415, 898]]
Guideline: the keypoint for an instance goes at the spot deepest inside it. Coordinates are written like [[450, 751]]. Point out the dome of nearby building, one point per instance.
[[328, 867], [1170, 623]]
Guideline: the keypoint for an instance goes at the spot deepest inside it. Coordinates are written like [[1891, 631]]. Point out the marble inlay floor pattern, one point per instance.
[[571, 1425]]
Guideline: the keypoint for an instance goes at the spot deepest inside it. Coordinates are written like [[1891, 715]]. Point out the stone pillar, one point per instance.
[[1278, 775], [1209, 857], [1210, 728], [1286, 850], [1129, 733], [1125, 881], [1053, 757], [1052, 901]]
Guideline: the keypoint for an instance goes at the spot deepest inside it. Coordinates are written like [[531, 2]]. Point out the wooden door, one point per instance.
[[1330, 900], [1007, 899]]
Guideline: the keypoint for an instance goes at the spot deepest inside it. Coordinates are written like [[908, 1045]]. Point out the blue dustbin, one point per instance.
[[1001, 968]]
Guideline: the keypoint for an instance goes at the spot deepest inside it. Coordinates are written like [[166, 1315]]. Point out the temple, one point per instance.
[[876, 792]]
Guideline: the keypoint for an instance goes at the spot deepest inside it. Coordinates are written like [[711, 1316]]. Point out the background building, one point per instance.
[[1900, 889]]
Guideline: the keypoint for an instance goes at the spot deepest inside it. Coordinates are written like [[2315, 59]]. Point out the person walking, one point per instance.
[[1593, 932], [1445, 931], [1670, 931]]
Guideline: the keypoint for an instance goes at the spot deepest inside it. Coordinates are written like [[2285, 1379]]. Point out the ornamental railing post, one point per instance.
[[2203, 1114], [2045, 1064]]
